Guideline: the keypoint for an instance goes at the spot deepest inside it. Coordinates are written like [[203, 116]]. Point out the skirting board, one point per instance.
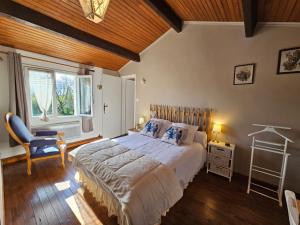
[[70, 147]]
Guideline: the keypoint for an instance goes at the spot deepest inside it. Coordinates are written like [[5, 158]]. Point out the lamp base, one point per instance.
[[216, 140]]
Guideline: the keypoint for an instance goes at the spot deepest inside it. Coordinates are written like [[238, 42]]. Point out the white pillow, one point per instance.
[[152, 128], [201, 137], [191, 132], [175, 135], [165, 124]]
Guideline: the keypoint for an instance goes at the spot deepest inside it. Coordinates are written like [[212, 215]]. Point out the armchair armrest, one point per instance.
[[26, 146], [43, 142], [46, 133]]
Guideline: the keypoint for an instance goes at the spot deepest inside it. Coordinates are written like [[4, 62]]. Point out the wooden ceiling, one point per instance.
[[21, 36], [131, 24], [208, 10], [232, 10]]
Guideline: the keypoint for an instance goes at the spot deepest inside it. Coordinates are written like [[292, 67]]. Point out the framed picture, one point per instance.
[[244, 74], [289, 61]]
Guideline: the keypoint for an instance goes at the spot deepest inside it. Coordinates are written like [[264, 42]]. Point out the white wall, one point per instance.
[[195, 68], [53, 63]]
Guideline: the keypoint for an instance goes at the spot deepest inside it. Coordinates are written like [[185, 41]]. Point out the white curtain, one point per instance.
[[42, 86]]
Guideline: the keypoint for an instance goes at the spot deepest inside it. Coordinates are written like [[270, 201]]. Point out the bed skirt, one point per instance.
[[106, 198]]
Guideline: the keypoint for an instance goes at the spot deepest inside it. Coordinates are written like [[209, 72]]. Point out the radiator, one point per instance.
[[71, 129]]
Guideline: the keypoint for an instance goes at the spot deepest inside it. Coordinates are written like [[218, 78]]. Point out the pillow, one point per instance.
[[152, 128], [191, 132], [165, 124], [201, 137], [175, 135]]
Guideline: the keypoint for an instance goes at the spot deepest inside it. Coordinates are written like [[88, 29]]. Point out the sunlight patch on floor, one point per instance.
[[61, 186], [77, 177], [82, 211]]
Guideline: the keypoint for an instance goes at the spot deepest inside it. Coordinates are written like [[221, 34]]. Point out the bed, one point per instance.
[[149, 175]]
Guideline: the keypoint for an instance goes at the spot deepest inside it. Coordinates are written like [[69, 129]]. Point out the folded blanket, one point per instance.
[[145, 188]]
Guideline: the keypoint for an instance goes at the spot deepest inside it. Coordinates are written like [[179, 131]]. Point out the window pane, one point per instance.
[[85, 96], [41, 88], [65, 94]]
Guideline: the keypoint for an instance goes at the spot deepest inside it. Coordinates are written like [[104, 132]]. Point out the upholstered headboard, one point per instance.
[[189, 115]]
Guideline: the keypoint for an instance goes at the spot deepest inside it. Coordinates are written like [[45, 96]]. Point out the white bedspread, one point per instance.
[[185, 160], [144, 187]]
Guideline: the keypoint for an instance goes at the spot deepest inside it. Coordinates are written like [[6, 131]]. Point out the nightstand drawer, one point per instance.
[[220, 170], [220, 151], [219, 160]]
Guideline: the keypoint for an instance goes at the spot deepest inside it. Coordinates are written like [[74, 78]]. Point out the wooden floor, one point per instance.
[[50, 196]]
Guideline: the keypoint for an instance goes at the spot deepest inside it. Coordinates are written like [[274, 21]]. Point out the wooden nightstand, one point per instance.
[[133, 131], [220, 159]]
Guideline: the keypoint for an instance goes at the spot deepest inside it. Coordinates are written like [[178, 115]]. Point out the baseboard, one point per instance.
[[76, 144], [14, 159], [70, 147]]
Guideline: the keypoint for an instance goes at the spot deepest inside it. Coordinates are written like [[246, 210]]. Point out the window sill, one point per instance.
[[36, 122]]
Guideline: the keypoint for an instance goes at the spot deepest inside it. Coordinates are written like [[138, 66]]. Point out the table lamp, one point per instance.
[[217, 128], [141, 122]]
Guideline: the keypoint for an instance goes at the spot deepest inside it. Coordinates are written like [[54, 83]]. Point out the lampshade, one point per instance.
[[217, 128], [94, 10], [141, 120]]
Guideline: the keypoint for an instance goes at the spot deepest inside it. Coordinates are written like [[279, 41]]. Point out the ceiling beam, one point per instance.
[[162, 8], [250, 16], [20, 12]]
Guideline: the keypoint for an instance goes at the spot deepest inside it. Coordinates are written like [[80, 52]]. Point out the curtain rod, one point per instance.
[[43, 60]]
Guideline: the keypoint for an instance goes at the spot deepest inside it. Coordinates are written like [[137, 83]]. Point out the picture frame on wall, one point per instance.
[[289, 61], [244, 74]]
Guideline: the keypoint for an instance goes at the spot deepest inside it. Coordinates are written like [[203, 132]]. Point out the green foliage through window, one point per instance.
[[65, 94]]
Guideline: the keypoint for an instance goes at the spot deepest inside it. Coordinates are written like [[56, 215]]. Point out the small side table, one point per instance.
[[133, 131], [220, 159]]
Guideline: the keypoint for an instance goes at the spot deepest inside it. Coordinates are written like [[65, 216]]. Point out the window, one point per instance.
[[65, 94], [41, 86], [59, 94], [85, 97]]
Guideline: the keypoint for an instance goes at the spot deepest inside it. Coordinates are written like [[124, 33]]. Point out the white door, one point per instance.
[[129, 104], [112, 106]]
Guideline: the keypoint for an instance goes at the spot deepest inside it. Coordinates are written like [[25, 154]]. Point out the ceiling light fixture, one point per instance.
[[94, 10]]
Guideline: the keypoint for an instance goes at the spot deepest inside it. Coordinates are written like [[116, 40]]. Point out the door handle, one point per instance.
[[104, 107]]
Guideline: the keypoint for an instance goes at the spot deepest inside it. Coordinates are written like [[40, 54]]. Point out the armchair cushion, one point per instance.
[[38, 152], [20, 129], [46, 133]]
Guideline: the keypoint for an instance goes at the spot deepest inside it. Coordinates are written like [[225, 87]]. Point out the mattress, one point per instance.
[[185, 160]]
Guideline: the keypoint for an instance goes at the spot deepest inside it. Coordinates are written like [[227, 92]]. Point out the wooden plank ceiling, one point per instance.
[[128, 23], [25, 37], [232, 10], [131, 24]]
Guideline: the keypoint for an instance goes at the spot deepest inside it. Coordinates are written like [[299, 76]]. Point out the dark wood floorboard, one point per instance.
[[209, 200]]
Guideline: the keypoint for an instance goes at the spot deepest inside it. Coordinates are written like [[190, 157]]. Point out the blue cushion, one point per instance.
[[41, 142], [38, 152], [152, 128], [46, 133], [20, 129], [175, 135]]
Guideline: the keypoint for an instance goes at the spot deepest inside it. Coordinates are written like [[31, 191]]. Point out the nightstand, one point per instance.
[[133, 131], [220, 159]]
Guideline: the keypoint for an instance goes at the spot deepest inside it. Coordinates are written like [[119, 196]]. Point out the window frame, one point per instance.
[[55, 117], [27, 69], [78, 95], [75, 93]]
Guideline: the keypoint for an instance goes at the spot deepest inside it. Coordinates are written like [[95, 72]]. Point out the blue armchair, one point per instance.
[[43, 145]]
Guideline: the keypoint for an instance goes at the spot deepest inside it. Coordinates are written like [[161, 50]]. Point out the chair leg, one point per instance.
[[29, 167], [63, 159]]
